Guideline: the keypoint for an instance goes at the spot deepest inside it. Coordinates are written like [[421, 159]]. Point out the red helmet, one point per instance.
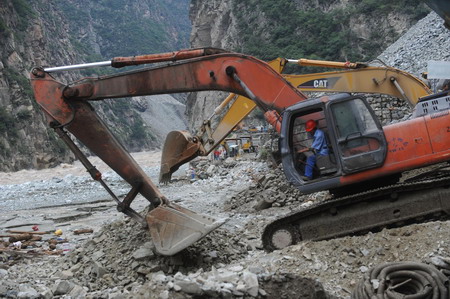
[[310, 125]]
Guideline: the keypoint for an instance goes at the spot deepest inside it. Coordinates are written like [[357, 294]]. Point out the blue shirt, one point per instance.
[[320, 143]]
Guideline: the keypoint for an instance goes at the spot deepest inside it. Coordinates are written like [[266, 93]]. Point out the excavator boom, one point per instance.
[[67, 108]]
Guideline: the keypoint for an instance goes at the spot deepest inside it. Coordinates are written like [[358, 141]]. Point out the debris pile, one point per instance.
[[235, 281], [122, 255], [223, 173], [119, 260], [18, 244], [271, 189]]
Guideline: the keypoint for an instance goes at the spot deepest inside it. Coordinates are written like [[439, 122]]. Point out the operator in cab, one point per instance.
[[318, 148]]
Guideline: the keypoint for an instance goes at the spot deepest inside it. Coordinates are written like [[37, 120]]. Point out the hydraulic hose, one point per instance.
[[408, 280]]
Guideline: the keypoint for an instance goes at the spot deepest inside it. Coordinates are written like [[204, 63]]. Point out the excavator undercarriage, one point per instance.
[[422, 198]]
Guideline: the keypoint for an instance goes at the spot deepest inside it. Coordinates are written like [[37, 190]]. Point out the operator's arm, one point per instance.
[[319, 144], [304, 150]]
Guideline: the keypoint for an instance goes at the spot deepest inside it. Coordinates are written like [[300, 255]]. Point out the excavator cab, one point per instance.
[[359, 136], [355, 140]]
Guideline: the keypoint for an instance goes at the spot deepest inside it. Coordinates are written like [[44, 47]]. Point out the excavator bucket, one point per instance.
[[180, 147], [173, 228]]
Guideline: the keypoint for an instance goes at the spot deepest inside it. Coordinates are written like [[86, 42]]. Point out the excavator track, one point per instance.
[[413, 201]]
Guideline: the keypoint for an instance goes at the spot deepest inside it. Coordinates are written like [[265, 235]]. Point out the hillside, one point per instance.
[[53, 33], [339, 30]]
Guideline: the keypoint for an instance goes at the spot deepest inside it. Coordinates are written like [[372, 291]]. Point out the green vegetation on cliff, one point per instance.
[[25, 12], [318, 33], [6, 122], [113, 28]]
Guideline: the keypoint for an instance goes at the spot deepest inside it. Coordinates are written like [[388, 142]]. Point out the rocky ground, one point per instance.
[[116, 260]]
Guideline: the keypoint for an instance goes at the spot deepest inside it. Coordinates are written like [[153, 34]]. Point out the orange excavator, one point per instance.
[[362, 152], [353, 77], [67, 109]]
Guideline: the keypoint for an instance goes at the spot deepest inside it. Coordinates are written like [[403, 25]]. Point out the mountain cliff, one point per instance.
[[332, 29], [53, 33], [340, 30]]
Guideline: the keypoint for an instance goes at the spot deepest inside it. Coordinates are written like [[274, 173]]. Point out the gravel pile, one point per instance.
[[425, 41], [271, 189]]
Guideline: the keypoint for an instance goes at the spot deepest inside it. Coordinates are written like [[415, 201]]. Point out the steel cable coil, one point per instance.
[[403, 280]]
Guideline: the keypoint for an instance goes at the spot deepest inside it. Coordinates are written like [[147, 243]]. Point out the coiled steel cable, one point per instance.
[[403, 280]]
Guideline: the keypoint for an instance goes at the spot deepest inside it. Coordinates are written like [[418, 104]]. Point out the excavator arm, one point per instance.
[[67, 108], [371, 79], [353, 77]]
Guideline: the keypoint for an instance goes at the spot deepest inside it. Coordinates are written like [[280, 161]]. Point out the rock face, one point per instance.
[[53, 33], [229, 24], [25, 140], [214, 24]]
